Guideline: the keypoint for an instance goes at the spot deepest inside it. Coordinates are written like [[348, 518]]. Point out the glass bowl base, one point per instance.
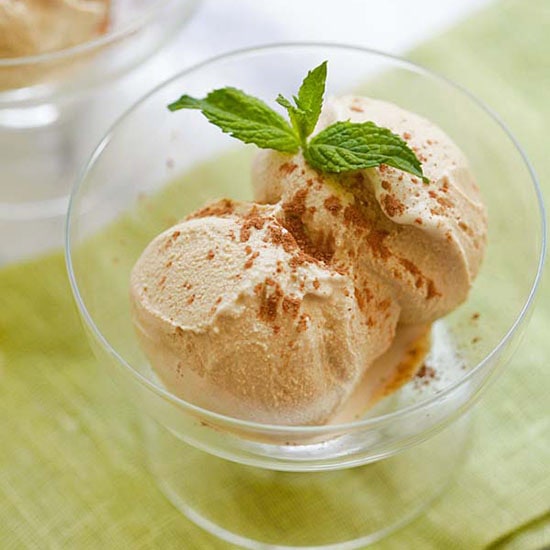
[[338, 509]]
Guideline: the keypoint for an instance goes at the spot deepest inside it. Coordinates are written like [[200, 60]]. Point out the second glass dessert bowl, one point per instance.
[[52, 113], [352, 482]]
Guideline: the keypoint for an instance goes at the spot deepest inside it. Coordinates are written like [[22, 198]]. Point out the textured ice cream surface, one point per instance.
[[32, 27], [236, 316], [424, 240]]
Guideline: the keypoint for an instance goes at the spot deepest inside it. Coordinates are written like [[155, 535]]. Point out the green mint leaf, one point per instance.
[[284, 102], [244, 117], [346, 146], [310, 97], [308, 104], [295, 114]]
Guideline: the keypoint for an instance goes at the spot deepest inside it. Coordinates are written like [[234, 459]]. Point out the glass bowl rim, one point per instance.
[[110, 37], [310, 430]]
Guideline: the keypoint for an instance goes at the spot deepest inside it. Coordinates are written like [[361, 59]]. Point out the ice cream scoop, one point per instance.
[[425, 240], [237, 316]]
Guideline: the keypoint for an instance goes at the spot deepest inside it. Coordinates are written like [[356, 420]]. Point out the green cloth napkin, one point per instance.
[[72, 472]]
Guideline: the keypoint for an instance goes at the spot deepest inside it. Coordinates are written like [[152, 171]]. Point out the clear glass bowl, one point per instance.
[[51, 116], [257, 485]]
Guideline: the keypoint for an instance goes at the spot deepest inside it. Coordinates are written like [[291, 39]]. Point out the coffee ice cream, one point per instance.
[[280, 311], [237, 317]]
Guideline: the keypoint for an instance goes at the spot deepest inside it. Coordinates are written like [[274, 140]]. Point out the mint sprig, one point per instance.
[[244, 117], [341, 147], [305, 114]]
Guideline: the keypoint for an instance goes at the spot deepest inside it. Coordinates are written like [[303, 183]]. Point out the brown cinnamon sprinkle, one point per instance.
[[375, 240], [299, 259], [359, 298], [250, 262], [392, 206], [425, 375], [466, 228], [277, 235], [294, 210], [420, 279], [271, 295], [316, 284], [302, 322], [210, 255], [220, 209], [191, 299], [333, 204], [445, 202], [251, 220], [291, 305], [287, 168]]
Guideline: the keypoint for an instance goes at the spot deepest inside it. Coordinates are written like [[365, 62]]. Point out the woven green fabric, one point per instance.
[[72, 472]]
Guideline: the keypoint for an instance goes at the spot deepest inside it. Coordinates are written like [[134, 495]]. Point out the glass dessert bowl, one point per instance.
[[51, 113], [354, 481]]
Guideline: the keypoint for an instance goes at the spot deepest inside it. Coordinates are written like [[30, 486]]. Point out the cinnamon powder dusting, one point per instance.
[[250, 221], [291, 305], [287, 168], [219, 209], [294, 210], [271, 295], [392, 206], [333, 205], [375, 240], [302, 322]]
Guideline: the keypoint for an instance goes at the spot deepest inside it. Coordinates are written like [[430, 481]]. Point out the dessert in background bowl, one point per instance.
[[354, 475], [34, 27], [54, 47]]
